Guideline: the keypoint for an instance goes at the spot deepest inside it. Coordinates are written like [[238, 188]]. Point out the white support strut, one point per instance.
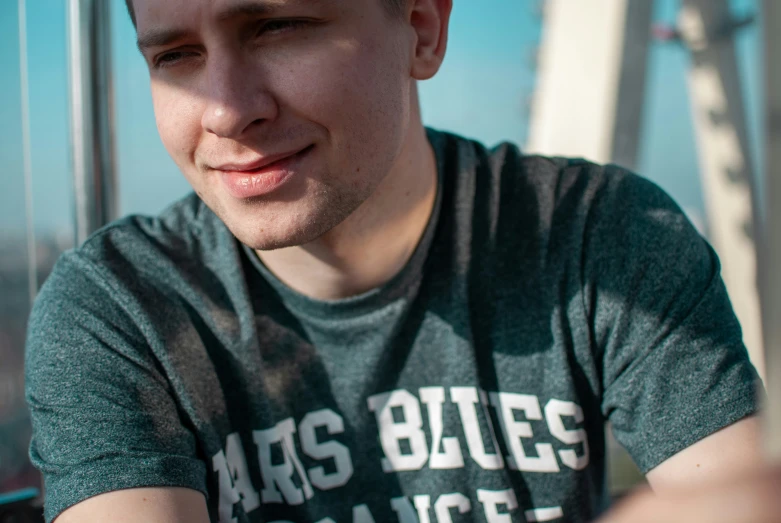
[[771, 245], [591, 80], [727, 173]]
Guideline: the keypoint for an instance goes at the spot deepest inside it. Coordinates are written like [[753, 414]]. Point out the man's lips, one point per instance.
[[256, 165], [262, 176]]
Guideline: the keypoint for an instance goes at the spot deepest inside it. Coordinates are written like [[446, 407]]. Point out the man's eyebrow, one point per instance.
[[162, 37], [159, 37], [246, 9]]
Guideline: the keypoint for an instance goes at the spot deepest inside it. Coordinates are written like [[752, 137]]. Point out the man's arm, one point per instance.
[[733, 450], [91, 371], [720, 479], [153, 505], [754, 498]]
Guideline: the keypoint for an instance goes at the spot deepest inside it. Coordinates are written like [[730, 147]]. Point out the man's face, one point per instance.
[[321, 88]]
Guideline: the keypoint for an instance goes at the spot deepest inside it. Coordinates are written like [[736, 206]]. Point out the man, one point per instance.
[[358, 319]]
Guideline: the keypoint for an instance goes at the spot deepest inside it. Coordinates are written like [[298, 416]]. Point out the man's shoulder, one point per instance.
[[136, 254], [541, 190], [186, 228], [513, 168]]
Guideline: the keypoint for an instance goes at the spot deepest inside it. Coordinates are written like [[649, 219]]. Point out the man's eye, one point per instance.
[[269, 27], [169, 59], [279, 26]]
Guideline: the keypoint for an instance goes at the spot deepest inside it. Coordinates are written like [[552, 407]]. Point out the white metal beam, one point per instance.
[[707, 28], [771, 259], [591, 80]]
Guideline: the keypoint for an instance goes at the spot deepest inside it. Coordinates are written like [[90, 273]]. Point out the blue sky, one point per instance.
[[481, 91]]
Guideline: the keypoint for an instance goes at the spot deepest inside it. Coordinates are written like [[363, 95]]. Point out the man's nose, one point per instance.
[[237, 99]]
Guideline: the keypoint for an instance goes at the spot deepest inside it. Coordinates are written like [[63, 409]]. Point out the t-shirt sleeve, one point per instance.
[[102, 413], [674, 365]]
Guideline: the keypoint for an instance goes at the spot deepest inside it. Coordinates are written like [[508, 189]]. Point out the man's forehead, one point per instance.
[[220, 9], [161, 21]]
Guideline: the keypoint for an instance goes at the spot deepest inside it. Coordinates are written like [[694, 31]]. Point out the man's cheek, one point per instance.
[[178, 124], [322, 83]]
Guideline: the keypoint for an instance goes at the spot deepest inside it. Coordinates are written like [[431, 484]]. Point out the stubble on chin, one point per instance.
[[264, 230]]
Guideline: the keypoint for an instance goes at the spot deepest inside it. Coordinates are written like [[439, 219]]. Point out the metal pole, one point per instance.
[[91, 101], [771, 246], [32, 256], [707, 28]]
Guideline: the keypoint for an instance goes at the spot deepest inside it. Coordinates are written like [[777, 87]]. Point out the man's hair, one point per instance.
[[395, 8]]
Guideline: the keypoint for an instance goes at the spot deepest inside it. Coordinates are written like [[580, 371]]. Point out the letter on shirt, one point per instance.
[[334, 424], [447, 501], [362, 514], [506, 403], [233, 478], [281, 475], [406, 514], [466, 399], [451, 457], [392, 433], [491, 499], [554, 411]]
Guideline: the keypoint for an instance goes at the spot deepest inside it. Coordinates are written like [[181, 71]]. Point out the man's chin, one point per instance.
[[262, 231], [267, 242], [271, 227], [265, 245], [263, 238]]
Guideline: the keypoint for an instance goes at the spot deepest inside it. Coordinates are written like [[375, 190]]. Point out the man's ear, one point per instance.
[[429, 20]]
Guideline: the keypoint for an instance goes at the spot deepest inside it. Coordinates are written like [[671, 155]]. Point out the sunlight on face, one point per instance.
[[320, 88]]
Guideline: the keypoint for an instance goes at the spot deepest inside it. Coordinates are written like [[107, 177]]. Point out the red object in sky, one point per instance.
[[665, 33]]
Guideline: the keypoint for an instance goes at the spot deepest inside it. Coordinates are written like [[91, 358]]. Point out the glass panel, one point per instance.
[[52, 220], [485, 83], [15, 472], [148, 178]]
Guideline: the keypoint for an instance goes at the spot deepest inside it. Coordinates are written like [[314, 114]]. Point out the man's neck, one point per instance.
[[375, 242]]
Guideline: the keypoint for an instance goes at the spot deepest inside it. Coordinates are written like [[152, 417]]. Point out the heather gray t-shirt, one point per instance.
[[546, 297]]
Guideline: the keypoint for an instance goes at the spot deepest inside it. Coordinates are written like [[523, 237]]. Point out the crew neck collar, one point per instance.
[[399, 286]]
